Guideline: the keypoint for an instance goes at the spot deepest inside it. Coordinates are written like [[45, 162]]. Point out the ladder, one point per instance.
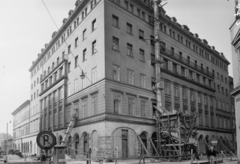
[[69, 129]]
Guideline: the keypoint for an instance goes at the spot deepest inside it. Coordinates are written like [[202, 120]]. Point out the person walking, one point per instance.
[[211, 155]]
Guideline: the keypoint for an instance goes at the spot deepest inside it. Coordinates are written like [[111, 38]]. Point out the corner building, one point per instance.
[[111, 41]]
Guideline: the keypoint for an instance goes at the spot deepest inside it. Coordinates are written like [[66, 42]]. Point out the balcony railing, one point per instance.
[[187, 62], [187, 79]]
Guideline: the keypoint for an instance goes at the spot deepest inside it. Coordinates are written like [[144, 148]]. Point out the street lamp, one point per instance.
[[82, 75], [7, 144]]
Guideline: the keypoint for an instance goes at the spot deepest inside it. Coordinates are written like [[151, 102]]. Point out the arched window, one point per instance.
[[69, 145], [30, 146], [76, 146], [60, 140], [143, 137], [85, 143]]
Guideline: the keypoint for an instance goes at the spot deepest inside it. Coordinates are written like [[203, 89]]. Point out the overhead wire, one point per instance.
[[68, 45]]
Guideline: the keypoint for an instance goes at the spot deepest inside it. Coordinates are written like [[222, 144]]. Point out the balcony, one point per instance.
[[187, 79], [236, 91], [186, 62], [48, 74], [53, 84]]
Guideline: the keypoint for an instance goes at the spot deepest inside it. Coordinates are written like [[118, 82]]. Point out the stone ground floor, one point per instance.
[[27, 145], [224, 140], [118, 139]]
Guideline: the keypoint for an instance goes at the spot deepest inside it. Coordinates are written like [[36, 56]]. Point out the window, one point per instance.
[[130, 76], [167, 88], [115, 21], [131, 105], [94, 50], [115, 45], [126, 4], [116, 73], [57, 60], [94, 25], [94, 75], [152, 41], [84, 106], [116, 105], [143, 108], [131, 8], [86, 11], [84, 34], [184, 93], [129, 28], [129, 49], [76, 61], [138, 12], [84, 54], [76, 42], [172, 50], [143, 15], [174, 67], [199, 98], [76, 88], [182, 71], [92, 5], [200, 119], [176, 91], [69, 49], [142, 80], [141, 34], [94, 104], [192, 97], [69, 67]]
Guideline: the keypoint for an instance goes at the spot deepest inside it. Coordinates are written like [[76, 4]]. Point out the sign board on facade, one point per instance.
[[46, 140], [214, 142]]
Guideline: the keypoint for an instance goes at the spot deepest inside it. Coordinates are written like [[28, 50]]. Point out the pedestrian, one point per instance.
[[211, 155]]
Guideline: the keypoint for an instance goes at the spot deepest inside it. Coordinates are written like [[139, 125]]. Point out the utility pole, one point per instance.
[[157, 53], [157, 45]]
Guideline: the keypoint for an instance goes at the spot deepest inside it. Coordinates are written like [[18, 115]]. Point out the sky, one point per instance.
[[26, 27]]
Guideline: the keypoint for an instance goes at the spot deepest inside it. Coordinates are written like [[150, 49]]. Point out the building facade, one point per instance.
[[24, 139], [100, 65], [235, 31]]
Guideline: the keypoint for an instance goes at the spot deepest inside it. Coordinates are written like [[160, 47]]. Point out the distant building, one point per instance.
[[112, 42], [23, 137], [7, 145]]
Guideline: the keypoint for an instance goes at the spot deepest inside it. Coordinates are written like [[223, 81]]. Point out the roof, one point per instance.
[[21, 107]]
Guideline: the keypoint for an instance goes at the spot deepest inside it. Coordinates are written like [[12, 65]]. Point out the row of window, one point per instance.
[[65, 35], [34, 95], [84, 84], [24, 116], [136, 11], [223, 122], [34, 110], [183, 71], [34, 126], [52, 79], [21, 131], [130, 76], [52, 98], [194, 47]]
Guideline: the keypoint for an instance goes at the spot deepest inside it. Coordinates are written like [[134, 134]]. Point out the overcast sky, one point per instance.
[[26, 27]]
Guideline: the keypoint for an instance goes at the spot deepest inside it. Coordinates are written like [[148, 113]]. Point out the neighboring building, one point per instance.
[[111, 42], [3, 136], [23, 139], [235, 41], [231, 87]]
